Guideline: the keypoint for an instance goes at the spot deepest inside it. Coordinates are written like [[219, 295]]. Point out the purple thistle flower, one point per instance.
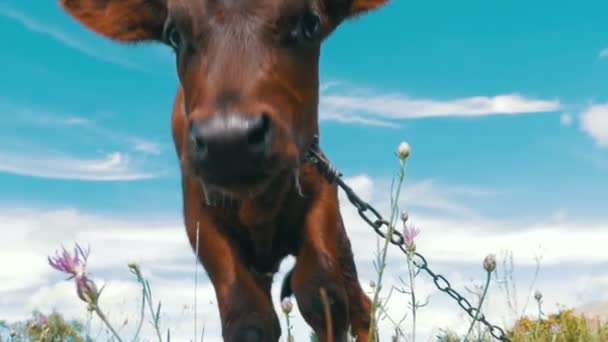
[[409, 234], [74, 265]]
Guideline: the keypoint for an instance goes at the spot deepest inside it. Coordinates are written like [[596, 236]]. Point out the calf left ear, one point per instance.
[[339, 10], [121, 20], [358, 7]]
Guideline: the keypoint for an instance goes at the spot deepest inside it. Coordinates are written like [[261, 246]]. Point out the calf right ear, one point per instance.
[[121, 20]]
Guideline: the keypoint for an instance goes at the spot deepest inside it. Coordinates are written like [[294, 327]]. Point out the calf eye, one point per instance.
[[306, 27], [173, 37], [311, 25]]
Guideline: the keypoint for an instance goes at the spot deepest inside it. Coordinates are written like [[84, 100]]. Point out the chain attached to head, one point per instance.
[[317, 158]]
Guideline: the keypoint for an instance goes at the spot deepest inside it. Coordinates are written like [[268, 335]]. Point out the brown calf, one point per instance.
[[244, 114]]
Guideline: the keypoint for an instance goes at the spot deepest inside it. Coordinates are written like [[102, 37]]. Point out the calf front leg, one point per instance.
[[244, 300], [318, 266]]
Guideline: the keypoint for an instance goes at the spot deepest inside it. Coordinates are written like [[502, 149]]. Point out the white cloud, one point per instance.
[[114, 166], [594, 121], [454, 248], [23, 155], [427, 194], [34, 234], [565, 119], [595, 310], [371, 108], [342, 115], [62, 37], [39, 116], [448, 240], [604, 53], [121, 303], [146, 146], [58, 120]]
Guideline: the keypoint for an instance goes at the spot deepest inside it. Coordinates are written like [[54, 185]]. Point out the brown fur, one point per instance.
[[238, 56]]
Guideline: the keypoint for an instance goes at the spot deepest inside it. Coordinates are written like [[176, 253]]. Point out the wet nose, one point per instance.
[[233, 136]]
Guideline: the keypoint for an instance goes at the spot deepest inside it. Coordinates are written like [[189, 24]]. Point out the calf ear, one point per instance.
[[338, 10], [121, 20], [359, 7]]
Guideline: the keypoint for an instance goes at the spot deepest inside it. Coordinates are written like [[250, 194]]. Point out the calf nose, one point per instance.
[[232, 136]]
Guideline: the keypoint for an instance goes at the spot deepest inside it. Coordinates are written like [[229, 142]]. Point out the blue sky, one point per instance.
[[505, 107]]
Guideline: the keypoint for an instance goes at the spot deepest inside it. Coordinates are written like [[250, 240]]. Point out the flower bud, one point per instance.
[[405, 216], [286, 306], [404, 150], [86, 290], [133, 265], [538, 296], [489, 263]]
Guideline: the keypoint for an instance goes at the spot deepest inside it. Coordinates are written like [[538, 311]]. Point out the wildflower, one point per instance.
[[409, 234], [133, 265], [39, 321], [76, 266], [86, 289], [405, 216], [372, 284], [538, 296], [68, 264], [286, 306], [489, 263], [555, 328], [404, 150], [13, 333], [134, 268]]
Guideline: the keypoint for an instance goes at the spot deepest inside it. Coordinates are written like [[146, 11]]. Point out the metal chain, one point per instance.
[[376, 221]]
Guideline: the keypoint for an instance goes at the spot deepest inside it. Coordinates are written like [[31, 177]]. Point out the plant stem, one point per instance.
[[289, 337], [103, 318], [196, 280], [411, 273], [483, 296], [538, 320], [382, 263], [141, 317], [155, 318]]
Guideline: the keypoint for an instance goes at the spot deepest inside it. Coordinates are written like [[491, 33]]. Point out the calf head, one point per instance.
[[248, 72]]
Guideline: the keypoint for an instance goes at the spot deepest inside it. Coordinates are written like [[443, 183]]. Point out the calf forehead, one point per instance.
[[231, 34], [268, 9]]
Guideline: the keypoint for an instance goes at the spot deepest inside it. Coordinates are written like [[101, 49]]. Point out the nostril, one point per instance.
[[200, 143], [258, 132], [197, 138]]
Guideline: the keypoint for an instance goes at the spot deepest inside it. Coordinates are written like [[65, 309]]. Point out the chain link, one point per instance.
[[370, 215]]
